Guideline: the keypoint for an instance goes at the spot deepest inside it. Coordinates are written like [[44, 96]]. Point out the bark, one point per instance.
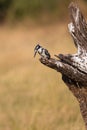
[[73, 67]]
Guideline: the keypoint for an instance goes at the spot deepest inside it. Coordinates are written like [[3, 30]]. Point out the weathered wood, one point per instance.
[[73, 67], [67, 70]]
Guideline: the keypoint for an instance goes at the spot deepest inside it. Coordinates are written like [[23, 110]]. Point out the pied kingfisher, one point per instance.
[[42, 52]]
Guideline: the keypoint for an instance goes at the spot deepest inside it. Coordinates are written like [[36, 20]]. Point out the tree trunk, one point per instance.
[[73, 67]]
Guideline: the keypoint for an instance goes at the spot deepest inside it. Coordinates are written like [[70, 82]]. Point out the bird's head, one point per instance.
[[36, 49]]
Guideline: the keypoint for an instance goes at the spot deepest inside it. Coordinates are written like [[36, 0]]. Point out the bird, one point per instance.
[[42, 52]]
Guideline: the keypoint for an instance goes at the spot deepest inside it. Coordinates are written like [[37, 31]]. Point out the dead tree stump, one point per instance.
[[73, 67]]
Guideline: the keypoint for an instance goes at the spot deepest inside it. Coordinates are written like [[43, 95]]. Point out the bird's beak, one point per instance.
[[35, 52]]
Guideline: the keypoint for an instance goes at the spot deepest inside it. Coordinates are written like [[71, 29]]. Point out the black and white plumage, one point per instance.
[[42, 52]]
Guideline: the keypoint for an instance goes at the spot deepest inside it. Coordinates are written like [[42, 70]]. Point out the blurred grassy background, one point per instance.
[[49, 10], [32, 96]]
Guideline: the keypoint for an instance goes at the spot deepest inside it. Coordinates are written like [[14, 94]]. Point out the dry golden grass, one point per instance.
[[32, 96]]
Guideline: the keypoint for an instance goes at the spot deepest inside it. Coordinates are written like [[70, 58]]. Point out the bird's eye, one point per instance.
[[37, 47]]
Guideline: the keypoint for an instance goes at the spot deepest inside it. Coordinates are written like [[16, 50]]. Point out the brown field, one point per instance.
[[32, 96]]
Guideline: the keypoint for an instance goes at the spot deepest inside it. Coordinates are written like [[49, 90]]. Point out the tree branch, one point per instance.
[[66, 70]]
